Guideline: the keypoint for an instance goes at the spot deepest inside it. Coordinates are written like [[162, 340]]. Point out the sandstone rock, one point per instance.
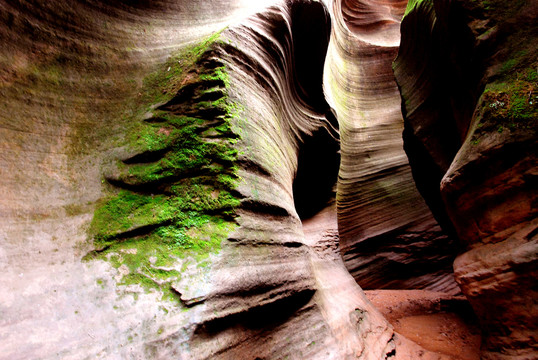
[[96, 106], [74, 95], [471, 140], [388, 237]]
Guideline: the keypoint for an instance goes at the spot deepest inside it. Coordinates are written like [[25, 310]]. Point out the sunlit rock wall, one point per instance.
[[287, 296], [72, 84], [388, 237], [467, 72]]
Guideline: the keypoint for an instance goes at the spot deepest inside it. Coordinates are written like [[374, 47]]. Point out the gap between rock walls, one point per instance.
[[204, 180], [177, 187]]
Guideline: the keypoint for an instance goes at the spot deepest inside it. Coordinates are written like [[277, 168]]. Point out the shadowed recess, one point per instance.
[[317, 173], [318, 159], [387, 233]]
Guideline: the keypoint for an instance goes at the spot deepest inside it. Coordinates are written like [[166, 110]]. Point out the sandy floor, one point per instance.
[[438, 322]]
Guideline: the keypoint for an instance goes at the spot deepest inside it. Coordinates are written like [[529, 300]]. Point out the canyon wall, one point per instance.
[[215, 179], [154, 186], [467, 73], [388, 236]]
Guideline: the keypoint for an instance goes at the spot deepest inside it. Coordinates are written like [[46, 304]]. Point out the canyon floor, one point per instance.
[[440, 323]]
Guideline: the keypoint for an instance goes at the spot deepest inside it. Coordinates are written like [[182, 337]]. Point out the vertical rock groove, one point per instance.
[[75, 82], [379, 208]]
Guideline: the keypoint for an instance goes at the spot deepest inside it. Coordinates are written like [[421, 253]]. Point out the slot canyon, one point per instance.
[[269, 179]]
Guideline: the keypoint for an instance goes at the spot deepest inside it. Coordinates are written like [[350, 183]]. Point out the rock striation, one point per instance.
[[388, 237], [467, 75], [106, 108], [215, 179]]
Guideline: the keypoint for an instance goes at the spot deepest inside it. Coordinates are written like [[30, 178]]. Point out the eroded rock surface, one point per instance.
[[195, 157], [467, 72], [388, 236], [80, 123]]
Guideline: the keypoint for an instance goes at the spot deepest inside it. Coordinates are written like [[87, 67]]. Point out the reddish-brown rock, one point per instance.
[[468, 86]]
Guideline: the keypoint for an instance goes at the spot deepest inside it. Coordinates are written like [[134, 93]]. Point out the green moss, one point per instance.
[[153, 261], [532, 75], [413, 4], [515, 101], [174, 202], [125, 212], [511, 105], [166, 82], [510, 100], [218, 74]]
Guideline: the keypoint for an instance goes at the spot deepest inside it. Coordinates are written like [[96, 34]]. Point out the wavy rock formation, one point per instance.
[[273, 294], [388, 236], [467, 73], [189, 170], [176, 185]]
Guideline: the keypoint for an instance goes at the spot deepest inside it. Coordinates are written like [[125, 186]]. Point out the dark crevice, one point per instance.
[[151, 187], [124, 236], [391, 354], [318, 158], [435, 130], [262, 317], [263, 243], [461, 306], [530, 236], [146, 157], [208, 124], [253, 167], [211, 63], [427, 176], [138, 231], [265, 208], [317, 173], [162, 186], [189, 92], [311, 29], [293, 244], [211, 95], [210, 113], [155, 120]]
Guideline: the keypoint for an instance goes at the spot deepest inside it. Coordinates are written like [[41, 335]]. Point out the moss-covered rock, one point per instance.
[[172, 197]]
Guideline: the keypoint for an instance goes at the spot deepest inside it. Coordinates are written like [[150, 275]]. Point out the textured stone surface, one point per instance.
[[71, 92], [471, 139], [71, 83], [388, 236]]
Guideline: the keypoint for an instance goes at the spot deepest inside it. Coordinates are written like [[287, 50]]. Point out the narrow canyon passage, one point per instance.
[[388, 236], [444, 325], [276, 179], [399, 245]]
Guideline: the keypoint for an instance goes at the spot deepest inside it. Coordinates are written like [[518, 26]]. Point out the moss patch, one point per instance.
[[413, 4], [510, 105], [510, 100], [172, 201]]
